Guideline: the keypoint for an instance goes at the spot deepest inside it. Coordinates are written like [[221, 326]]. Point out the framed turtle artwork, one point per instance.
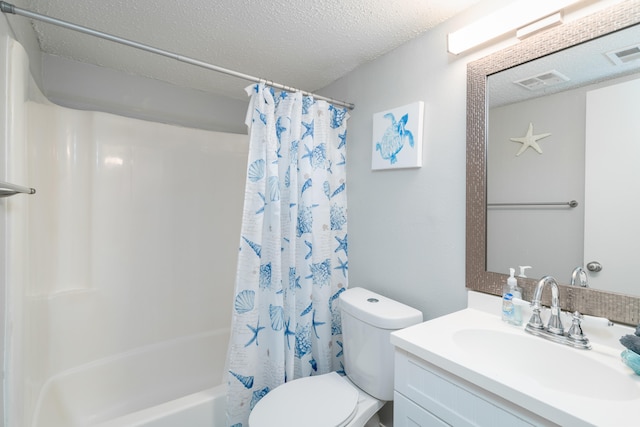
[[397, 137]]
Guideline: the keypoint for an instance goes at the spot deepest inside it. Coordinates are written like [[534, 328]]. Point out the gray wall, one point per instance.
[[407, 227], [556, 175]]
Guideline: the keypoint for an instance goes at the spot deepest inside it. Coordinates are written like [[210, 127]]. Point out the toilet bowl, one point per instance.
[[333, 400]]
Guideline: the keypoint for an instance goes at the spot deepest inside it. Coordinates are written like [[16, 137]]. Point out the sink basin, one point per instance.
[[551, 365], [565, 386]]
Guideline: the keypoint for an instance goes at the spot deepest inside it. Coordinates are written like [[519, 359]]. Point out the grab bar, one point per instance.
[[7, 189], [571, 204]]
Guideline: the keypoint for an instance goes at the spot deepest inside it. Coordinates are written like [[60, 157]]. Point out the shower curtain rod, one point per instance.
[[10, 8], [7, 189]]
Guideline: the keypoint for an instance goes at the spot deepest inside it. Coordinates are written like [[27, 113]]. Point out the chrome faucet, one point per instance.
[[579, 277], [555, 324], [554, 330]]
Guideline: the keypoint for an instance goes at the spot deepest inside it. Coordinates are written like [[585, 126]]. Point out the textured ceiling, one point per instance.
[[583, 64], [306, 44]]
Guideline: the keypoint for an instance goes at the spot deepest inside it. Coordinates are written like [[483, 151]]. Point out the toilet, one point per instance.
[[333, 400]]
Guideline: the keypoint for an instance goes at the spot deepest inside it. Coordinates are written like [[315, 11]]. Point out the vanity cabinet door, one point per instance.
[[445, 399]]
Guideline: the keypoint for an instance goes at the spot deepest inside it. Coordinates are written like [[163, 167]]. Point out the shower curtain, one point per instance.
[[292, 264]]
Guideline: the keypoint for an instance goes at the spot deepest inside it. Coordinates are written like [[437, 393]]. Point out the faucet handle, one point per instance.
[[575, 332], [535, 321]]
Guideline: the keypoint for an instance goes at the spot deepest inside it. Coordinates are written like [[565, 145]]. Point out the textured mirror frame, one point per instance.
[[616, 307]]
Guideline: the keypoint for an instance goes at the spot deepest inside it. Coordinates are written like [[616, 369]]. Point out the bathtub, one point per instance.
[[177, 382], [202, 409]]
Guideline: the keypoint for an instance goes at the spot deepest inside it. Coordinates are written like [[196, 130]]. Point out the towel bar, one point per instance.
[[7, 189]]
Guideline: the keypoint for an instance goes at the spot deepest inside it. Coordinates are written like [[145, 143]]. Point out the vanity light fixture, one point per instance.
[[542, 24], [516, 15]]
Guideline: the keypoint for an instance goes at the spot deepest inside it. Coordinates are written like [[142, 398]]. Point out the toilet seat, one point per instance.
[[321, 401]]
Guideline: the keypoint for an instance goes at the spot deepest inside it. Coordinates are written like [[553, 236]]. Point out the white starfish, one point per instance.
[[530, 140]]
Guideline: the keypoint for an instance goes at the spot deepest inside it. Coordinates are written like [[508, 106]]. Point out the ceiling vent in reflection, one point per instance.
[[543, 80], [624, 55]]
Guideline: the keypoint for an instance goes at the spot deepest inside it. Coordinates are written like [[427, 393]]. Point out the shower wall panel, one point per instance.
[[132, 239]]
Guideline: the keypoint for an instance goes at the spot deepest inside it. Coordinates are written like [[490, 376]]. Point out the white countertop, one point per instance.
[[564, 385]]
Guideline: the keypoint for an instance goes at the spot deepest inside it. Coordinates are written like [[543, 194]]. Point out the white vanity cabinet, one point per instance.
[[469, 368], [426, 396]]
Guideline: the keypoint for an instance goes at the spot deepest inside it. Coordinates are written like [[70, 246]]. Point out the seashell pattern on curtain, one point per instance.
[[292, 264]]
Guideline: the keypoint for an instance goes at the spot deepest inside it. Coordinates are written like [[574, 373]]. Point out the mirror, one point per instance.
[[615, 305], [582, 104]]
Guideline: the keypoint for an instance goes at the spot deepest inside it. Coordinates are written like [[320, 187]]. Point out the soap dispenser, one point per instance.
[[522, 270], [511, 313], [516, 292]]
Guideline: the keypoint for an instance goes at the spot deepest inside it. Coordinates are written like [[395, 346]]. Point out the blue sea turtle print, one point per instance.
[[394, 138]]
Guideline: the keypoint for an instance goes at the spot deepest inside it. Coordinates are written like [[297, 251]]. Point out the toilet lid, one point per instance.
[[322, 401]]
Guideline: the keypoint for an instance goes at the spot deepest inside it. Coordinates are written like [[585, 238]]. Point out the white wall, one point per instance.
[[131, 241], [130, 238], [88, 87], [3, 214]]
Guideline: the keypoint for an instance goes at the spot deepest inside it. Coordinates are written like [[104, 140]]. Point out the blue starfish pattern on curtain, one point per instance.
[[292, 263]]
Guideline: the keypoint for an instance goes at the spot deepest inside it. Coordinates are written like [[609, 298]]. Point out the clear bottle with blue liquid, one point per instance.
[[511, 312]]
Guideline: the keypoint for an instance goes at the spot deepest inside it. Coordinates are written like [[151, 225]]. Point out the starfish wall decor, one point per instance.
[[530, 140]]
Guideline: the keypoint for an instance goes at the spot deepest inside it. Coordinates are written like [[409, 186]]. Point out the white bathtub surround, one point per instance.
[[513, 376], [120, 268], [292, 264], [140, 381], [202, 409]]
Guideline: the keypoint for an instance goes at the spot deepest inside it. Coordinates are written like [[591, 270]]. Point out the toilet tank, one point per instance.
[[367, 321]]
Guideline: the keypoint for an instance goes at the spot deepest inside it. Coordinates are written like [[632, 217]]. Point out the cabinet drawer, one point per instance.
[[408, 414], [453, 400]]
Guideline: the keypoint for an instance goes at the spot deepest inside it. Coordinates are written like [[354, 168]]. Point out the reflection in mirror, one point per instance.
[[566, 98], [562, 161]]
